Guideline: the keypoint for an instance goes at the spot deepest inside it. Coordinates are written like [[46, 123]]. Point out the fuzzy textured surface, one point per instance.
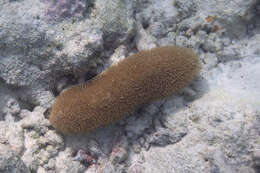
[[141, 78], [212, 125]]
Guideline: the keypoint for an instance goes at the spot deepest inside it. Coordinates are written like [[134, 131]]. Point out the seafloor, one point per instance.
[[212, 126]]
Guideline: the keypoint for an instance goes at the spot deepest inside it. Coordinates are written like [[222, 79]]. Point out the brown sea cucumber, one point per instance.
[[141, 78]]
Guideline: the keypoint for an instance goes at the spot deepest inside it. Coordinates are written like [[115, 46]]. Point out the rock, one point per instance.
[[211, 126], [10, 161], [115, 19], [40, 143], [11, 134], [169, 159], [13, 106], [84, 158], [210, 60], [256, 160], [66, 9], [137, 168], [53, 138], [136, 126], [65, 163], [36, 120], [119, 156], [164, 137], [136, 147], [143, 40], [157, 30], [31, 42], [229, 18], [119, 54], [152, 11], [170, 39]]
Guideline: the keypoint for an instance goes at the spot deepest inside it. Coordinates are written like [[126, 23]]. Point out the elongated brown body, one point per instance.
[[136, 80]]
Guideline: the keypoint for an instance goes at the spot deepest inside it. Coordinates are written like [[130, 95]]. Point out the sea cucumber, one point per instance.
[[138, 79]]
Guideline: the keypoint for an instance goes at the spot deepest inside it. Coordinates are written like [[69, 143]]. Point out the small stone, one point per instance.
[[146, 146], [195, 117], [51, 164], [165, 136], [119, 156], [144, 41], [157, 124], [256, 159], [13, 106], [94, 148], [189, 94], [210, 60], [24, 113], [136, 168], [61, 84], [12, 135], [81, 156], [136, 147], [141, 141], [157, 29], [36, 120], [137, 126], [11, 162], [119, 54], [41, 170], [65, 163], [54, 139]]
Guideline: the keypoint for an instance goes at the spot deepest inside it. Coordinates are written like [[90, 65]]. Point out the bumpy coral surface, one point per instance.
[[138, 79]]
